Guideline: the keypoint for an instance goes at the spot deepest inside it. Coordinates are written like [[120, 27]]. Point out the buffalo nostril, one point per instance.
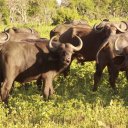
[[68, 60]]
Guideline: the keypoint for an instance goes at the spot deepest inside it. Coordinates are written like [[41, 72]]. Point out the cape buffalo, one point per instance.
[[107, 53], [92, 40], [18, 34], [113, 50], [24, 61], [61, 28]]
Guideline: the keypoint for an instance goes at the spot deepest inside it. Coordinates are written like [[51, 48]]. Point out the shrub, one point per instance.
[[65, 14]]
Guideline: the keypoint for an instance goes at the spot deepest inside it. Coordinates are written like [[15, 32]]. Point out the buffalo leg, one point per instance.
[[9, 77], [67, 71], [113, 74], [6, 87], [97, 75], [12, 88], [125, 53], [100, 65], [39, 83], [47, 88]]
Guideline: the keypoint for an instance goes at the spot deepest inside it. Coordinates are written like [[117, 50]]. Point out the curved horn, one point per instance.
[[119, 29], [31, 30], [95, 28], [7, 38], [125, 24], [50, 44], [77, 48]]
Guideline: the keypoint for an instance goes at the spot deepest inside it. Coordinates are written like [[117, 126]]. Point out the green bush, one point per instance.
[[65, 14]]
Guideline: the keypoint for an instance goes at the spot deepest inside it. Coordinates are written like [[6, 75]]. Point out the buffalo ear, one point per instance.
[[66, 36], [77, 31]]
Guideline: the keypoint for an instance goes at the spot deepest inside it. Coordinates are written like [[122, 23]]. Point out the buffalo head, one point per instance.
[[65, 50], [22, 30], [60, 29], [111, 27], [18, 34], [26, 30]]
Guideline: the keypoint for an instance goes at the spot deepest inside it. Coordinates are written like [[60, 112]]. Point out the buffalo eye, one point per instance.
[[63, 53]]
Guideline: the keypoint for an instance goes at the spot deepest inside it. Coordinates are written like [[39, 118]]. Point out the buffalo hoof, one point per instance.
[[47, 93], [51, 97], [44, 98]]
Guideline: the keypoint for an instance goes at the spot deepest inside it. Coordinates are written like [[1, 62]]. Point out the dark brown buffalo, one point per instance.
[[61, 28], [108, 53], [92, 40], [18, 34], [115, 51], [24, 61]]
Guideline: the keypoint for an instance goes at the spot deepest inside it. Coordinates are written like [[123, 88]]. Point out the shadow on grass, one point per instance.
[[78, 85], [80, 88]]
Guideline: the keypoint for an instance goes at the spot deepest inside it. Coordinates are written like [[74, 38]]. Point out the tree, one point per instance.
[[18, 10], [41, 10]]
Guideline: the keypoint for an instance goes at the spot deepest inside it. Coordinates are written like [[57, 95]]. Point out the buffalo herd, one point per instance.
[[25, 56]]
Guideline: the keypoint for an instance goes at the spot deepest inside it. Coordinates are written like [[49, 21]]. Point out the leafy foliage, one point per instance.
[[49, 12], [62, 16], [4, 12], [73, 105]]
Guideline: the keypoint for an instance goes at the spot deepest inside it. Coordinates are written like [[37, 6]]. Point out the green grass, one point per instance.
[[73, 105]]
